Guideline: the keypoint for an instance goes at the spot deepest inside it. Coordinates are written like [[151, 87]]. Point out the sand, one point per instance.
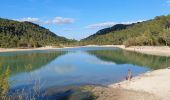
[[30, 49], [151, 50], [105, 93], [15, 49], [155, 82]]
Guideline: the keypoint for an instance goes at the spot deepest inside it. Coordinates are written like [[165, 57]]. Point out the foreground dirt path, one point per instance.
[[155, 82], [105, 93]]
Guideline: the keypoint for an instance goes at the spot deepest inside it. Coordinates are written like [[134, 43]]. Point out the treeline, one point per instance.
[[151, 32], [27, 35]]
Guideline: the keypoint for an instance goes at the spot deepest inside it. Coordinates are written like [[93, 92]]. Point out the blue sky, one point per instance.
[[77, 19]]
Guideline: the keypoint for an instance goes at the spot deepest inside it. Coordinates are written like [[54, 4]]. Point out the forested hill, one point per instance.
[[152, 32], [107, 30], [27, 34]]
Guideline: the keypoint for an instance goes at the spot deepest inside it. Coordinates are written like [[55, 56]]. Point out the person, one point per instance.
[[129, 76]]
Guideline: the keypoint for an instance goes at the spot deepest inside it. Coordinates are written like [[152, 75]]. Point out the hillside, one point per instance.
[[151, 32], [27, 35], [108, 30]]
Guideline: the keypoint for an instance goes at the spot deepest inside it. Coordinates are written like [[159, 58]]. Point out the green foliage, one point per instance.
[[27, 35], [165, 37], [4, 85], [151, 32]]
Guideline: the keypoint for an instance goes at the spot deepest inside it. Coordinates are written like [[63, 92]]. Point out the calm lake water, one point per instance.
[[77, 66]]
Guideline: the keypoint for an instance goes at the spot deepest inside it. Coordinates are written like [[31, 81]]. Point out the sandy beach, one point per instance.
[[107, 93], [156, 82], [151, 50], [15, 49], [41, 48]]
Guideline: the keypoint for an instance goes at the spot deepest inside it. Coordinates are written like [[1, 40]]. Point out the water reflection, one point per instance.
[[19, 61], [74, 67], [127, 57], [64, 69]]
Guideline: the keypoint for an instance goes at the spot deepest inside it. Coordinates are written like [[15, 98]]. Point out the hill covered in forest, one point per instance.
[[151, 32], [26, 34]]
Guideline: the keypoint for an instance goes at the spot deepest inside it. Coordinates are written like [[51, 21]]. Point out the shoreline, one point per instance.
[[150, 50], [32, 49], [155, 82]]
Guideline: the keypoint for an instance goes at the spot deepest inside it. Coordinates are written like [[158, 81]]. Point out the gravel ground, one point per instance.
[[104, 93]]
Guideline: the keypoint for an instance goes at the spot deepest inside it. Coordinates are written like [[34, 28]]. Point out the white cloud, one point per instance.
[[61, 20], [94, 61], [109, 24], [64, 69], [56, 20], [101, 25], [29, 19]]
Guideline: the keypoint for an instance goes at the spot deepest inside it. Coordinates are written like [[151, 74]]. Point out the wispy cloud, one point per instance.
[[61, 20], [109, 24], [56, 20], [29, 19], [95, 61], [62, 69], [168, 2], [101, 25]]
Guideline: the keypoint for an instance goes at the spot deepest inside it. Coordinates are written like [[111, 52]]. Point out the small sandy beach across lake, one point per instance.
[[151, 50]]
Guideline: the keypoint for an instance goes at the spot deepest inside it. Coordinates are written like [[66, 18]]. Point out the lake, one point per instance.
[[76, 66]]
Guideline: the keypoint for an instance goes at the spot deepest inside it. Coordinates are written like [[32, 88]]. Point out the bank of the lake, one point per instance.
[[155, 82], [151, 50], [30, 49]]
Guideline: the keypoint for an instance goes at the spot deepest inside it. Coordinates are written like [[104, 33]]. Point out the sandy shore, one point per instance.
[[152, 50], [13, 49], [106, 93], [42, 48], [155, 82]]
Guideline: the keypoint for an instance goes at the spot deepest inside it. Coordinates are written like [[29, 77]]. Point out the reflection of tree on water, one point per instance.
[[4, 85], [18, 63], [127, 57], [23, 63]]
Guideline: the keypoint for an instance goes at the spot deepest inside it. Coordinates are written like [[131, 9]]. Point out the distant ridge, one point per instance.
[[116, 27], [151, 32]]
